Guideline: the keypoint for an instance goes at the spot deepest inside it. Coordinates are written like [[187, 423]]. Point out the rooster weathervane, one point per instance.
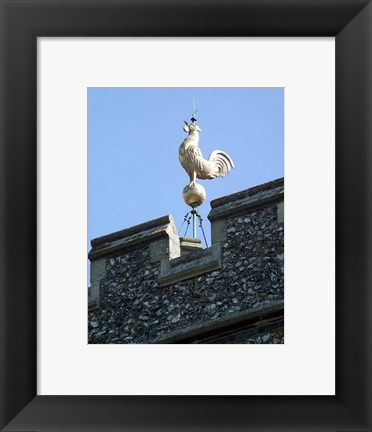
[[218, 164]]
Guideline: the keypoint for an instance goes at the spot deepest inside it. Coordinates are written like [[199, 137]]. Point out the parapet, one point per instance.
[[149, 286], [245, 202]]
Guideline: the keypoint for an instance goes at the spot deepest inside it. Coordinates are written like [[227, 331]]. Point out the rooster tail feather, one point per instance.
[[221, 161]]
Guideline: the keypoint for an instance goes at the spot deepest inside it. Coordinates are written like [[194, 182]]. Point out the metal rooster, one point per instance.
[[218, 164]]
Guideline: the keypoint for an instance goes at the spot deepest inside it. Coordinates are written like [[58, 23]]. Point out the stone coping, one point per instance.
[[127, 232], [244, 201], [250, 192], [133, 237]]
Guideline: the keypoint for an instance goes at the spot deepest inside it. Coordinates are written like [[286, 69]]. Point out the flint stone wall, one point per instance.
[[145, 291]]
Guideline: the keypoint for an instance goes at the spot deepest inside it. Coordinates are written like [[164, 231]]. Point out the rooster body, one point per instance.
[[218, 164]]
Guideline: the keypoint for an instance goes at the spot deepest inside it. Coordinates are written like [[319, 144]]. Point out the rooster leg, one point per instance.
[[192, 178]]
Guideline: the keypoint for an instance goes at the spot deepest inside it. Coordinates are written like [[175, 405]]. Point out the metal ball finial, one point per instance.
[[194, 195]]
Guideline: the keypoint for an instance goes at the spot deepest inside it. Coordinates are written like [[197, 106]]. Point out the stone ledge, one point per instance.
[[92, 305], [189, 266], [132, 238], [260, 315], [236, 207]]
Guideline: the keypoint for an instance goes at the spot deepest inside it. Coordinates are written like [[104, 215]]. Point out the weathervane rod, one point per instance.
[[193, 212]]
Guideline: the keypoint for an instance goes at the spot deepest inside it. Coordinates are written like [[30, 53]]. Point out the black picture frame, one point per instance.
[[21, 23]]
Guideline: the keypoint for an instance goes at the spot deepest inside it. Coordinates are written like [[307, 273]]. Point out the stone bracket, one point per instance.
[[189, 266]]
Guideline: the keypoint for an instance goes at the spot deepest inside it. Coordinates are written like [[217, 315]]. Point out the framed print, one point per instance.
[[302, 85], [23, 407]]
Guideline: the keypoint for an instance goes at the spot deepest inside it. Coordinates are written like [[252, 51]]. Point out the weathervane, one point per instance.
[[218, 164]]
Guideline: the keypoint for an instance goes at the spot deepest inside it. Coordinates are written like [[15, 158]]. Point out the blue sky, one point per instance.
[[134, 174]]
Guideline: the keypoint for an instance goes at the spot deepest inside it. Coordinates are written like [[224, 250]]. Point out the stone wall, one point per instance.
[[146, 288]]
